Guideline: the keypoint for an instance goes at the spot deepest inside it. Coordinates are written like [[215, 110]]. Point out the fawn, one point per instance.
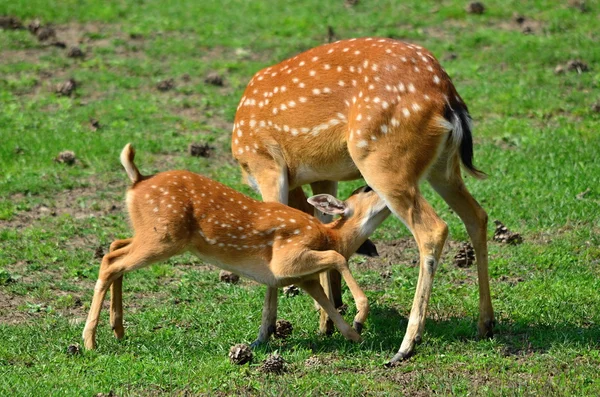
[[178, 211], [376, 108]]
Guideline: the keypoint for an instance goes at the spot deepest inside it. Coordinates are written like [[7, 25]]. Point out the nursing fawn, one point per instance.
[[179, 211]]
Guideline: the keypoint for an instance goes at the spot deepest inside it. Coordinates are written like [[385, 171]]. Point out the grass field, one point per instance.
[[537, 136]]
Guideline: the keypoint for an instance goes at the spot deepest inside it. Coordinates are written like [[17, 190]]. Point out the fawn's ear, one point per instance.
[[327, 204]]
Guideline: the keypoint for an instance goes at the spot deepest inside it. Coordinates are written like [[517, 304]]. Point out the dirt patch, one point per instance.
[[403, 251], [9, 308], [79, 203]]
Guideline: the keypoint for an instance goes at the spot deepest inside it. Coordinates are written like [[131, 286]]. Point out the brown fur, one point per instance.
[[179, 211], [377, 108]]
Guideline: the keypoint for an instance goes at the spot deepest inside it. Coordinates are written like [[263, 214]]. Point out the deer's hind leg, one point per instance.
[[447, 181], [393, 166]]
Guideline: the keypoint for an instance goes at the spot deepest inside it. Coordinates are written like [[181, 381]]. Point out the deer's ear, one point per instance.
[[327, 204]]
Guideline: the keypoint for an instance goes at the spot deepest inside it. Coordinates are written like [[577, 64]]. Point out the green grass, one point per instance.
[[536, 136]]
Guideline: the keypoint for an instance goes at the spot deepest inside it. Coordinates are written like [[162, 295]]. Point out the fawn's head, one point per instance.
[[359, 214]]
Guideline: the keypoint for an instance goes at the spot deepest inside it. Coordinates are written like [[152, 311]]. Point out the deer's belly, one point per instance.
[[338, 171]]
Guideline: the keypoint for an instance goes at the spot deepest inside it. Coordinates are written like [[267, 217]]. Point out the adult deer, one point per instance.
[[179, 211], [377, 108]]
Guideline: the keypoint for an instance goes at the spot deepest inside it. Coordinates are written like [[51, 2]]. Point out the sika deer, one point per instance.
[[374, 108], [178, 211]]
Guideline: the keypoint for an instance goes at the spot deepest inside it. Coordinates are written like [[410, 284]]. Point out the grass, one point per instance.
[[536, 136]]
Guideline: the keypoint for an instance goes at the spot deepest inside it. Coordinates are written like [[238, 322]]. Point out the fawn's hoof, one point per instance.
[[358, 327], [398, 358], [326, 328]]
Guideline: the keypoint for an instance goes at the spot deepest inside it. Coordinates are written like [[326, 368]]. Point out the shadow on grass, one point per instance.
[[386, 327]]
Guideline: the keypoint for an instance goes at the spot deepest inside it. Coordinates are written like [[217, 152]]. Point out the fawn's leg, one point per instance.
[[113, 266], [116, 295], [331, 280]]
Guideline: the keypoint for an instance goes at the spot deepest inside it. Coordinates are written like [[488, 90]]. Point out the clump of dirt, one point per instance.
[[99, 252], [465, 257], [450, 56], [136, 36], [214, 78], [577, 65], [274, 364], [66, 157], [283, 329], [518, 18], [240, 354], [291, 290], [526, 26], [386, 274], [573, 65], [512, 281], [74, 349], [503, 235], [95, 124], [228, 277], [75, 52], [350, 3], [10, 22], [475, 7], [109, 394], [312, 361], [595, 107], [200, 149], [166, 85], [580, 5], [66, 88], [42, 32]]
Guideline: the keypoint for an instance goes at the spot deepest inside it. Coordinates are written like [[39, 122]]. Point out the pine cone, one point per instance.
[[291, 290], [166, 85], [475, 7], [10, 22], [312, 361], [75, 52], [274, 364], [200, 149], [240, 354], [228, 277], [283, 329], [66, 157], [465, 256], [503, 235], [66, 88], [214, 78]]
